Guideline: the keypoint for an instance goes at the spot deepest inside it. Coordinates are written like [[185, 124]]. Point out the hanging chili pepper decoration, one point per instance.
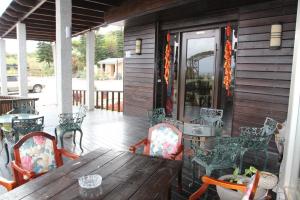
[[167, 59], [227, 61]]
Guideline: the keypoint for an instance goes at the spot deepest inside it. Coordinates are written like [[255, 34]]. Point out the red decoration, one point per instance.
[[227, 62], [167, 59]]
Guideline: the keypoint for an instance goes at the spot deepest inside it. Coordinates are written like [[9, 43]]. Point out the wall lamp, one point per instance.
[[276, 35], [138, 46]]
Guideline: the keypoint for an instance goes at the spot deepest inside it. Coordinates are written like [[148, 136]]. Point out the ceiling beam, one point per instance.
[[28, 3]]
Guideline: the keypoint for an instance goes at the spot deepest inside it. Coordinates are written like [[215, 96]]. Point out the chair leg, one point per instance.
[[74, 137], [179, 183], [266, 159], [241, 161], [80, 140], [55, 131], [7, 153], [61, 137], [193, 178]]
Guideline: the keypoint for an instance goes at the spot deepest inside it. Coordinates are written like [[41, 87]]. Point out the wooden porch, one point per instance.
[[113, 130]]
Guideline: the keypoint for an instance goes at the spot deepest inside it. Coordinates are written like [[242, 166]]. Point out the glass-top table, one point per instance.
[[198, 130], [203, 135], [6, 120]]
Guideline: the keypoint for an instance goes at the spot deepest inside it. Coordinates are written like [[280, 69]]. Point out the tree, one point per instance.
[[44, 53]]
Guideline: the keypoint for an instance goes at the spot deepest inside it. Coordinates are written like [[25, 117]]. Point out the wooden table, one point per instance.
[[125, 176]]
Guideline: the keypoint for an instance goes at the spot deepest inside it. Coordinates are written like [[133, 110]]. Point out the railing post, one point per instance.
[[73, 93], [113, 101], [107, 100], [102, 99], [119, 103], [97, 99], [84, 92]]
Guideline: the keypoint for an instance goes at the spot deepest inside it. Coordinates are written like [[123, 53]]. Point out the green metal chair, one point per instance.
[[178, 124], [23, 106], [156, 116], [21, 127], [210, 117], [257, 139], [223, 156], [70, 122]]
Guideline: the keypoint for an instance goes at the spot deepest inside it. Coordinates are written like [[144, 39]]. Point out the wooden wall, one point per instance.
[[263, 75], [139, 70]]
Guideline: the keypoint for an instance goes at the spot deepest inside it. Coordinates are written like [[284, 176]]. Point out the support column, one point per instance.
[[291, 152], [90, 62], [64, 54], [3, 68], [55, 70], [22, 60]]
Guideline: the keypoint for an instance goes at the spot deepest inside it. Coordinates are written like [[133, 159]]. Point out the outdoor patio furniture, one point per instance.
[[164, 140], [210, 117], [9, 185], [156, 116], [152, 178], [208, 124], [70, 122], [19, 128], [36, 154], [23, 106], [177, 123], [257, 139], [222, 156], [249, 190]]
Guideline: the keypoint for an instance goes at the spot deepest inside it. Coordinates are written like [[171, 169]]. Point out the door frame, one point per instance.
[[216, 32]]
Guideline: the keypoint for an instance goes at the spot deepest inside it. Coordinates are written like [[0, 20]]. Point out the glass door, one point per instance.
[[198, 73]]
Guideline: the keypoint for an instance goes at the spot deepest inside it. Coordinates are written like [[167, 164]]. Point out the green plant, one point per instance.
[[236, 173]]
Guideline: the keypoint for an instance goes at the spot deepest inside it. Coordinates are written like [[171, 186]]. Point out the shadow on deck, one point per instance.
[[113, 130]]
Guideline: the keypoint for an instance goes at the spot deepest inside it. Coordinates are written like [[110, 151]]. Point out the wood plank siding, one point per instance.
[[139, 70], [263, 75]]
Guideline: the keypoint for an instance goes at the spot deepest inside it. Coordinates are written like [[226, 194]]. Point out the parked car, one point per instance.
[[33, 85]]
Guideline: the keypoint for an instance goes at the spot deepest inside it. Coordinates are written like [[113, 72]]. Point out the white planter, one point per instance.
[[227, 194], [267, 180]]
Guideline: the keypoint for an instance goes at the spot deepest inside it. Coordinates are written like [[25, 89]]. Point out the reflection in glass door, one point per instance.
[[197, 73]]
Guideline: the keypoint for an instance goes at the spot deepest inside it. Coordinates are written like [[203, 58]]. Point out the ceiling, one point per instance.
[[39, 17]]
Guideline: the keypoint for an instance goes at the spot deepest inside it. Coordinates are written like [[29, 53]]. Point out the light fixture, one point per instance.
[[276, 34], [138, 46]]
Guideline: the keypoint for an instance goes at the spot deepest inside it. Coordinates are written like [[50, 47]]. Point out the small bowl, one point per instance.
[[90, 181]]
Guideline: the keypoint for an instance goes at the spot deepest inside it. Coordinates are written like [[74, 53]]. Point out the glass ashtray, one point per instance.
[[90, 181]]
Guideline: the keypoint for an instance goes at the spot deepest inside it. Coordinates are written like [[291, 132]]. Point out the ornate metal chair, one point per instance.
[[223, 156], [21, 127], [209, 117], [257, 139], [164, 140], [36, 154], [249, 190], [178, 124], [23, 106], [71, 122], [156, 116]]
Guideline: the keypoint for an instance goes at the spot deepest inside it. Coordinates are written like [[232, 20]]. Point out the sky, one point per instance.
[[3, 6], [11, 44]]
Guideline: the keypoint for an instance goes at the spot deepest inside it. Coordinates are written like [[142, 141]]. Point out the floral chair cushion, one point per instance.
[[37, 154], [163, 142]]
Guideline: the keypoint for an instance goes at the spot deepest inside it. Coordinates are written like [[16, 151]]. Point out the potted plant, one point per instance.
[[235, 177]]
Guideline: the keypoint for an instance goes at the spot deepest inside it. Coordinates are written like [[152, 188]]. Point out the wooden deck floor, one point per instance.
[[111, 130]]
